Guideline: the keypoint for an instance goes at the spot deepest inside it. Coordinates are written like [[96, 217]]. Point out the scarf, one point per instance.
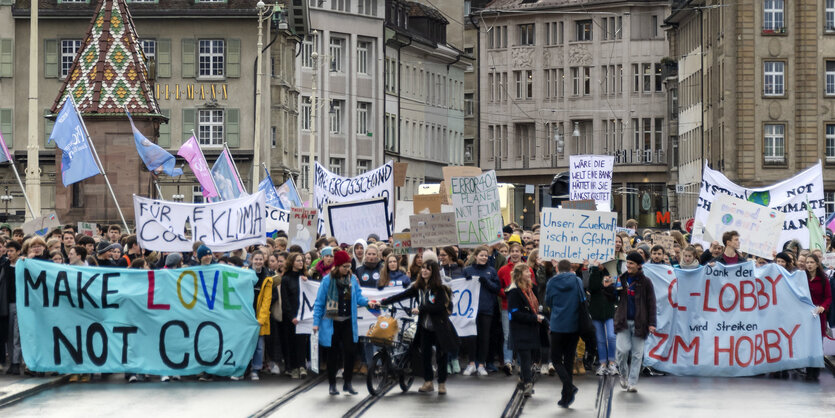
[[341, 282], [531, 299]]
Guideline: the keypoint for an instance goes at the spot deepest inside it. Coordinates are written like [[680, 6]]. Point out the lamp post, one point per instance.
[[313, 128], [265, 12], [6, 198]]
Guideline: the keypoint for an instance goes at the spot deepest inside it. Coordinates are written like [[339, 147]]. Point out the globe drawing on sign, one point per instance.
[[760, 198], [727, 219]]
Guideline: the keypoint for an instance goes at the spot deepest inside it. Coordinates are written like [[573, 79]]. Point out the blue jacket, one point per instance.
[[326, 324], [489, 286], [398, 278], [563, 295]]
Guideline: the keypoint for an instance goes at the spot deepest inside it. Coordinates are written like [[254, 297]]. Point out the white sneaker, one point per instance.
[[482, 371], [254, 376], [543, 370], [469, 370], [623, 384], [632, 388], [602, 370], [551, 369], [613, 369], [133, 379], [164, 378], [274, 369], [236, 378]]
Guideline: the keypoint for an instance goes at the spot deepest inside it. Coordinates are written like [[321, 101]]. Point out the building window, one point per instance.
[[337, 166], [362, 166], [636, 78], [575, 81], [69, 47], [659, 77], [336, 50], [273, 136], [336, 116], [149, 49], [211, 57], [367, 7], [341, 5], [775, 143], [774, 78], [305, 172], [363, 117], [363, 48], [829, 202], [210, 127], [468, 104], [830, 142], [306, 113], [524, 84], [586, 81], [553, 33], [830, 78], [647, 78], [307, 52], [526, 34], [196, 194], [583, 30], [829, 15], [773, 16]]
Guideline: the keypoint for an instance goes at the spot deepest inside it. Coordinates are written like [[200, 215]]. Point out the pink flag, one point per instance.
[[191, 151], [6, 156]]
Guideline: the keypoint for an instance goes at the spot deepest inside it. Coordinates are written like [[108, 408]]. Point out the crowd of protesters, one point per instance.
[[528, 311]]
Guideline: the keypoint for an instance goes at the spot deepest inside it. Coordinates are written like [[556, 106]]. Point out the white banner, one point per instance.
[[348, 222], [759, 227], [577, 235], [591, 179], [332, 188], [478, 213], [276, 219], [222, 226], [788, 196], [465, 295]]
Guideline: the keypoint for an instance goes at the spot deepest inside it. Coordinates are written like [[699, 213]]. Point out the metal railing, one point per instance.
[[639, 156]]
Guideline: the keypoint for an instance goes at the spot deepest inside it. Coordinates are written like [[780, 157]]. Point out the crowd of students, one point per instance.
[[528, 309]]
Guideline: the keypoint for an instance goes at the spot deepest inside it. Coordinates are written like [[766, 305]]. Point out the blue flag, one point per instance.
[[226, 177], [288, 195], [155, 157], [269, 191], [77, 162]]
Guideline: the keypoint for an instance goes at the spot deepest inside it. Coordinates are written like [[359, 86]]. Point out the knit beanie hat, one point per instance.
[[635, 257], [340, 258]]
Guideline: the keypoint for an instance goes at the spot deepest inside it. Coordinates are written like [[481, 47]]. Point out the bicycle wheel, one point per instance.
[[406, 381], [378, 374]]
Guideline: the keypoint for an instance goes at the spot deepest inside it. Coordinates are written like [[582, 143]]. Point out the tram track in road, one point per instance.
[[602, 406], [289, 396], [367, 402]]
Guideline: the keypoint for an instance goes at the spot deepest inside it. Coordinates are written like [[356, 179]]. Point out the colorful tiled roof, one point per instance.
[[109, 71]]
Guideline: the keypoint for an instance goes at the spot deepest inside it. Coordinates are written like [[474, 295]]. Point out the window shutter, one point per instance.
[[233, 137], [6, 57], [47, 130], [164, 139], [163, 58], [188, 123], [233, 58], [50, 58], [189, 56], [7, 126]]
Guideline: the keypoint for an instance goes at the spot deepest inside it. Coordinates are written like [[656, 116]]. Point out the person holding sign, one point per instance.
[[634, 320], [486, 275], [335, 312], [434, 327], [821, 296]]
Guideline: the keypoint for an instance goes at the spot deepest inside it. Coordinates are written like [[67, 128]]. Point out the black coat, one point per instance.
[[524, 327], [289, 289], [436, 308]]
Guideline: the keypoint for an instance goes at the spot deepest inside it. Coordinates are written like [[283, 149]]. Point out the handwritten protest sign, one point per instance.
[[732, 321], [433, 230], [427, 203], [788, 196], [303, 227], [222, 226], [577, 235], [828, 261], [348, 222], [478, 212], [402, 243], [591, 178], [329, 188], [111, 320], [276, 219], [455, 171], [759, 227], [41, 225], [400, 174], [87, 228], [465, 295], [664, 240]]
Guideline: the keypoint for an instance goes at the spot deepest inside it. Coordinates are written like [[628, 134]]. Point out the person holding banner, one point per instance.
[[434, 327], [488, 279], [263, 300], [292, 344], [523, 310], [635, 318], [821, 297], [335, 312]]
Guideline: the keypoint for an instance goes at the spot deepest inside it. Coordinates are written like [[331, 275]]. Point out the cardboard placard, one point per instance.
[[478, 213], [433, 230], [87, 228], [303, 227], [759, 227], [41, 225], [665, 241], [456, 171], [427, 203], [400, 174], [402, 243]]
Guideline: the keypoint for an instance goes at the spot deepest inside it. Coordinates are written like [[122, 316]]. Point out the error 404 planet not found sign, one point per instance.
[[478, 216]]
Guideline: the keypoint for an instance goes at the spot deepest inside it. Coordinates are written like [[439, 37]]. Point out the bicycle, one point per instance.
[[393, 360]]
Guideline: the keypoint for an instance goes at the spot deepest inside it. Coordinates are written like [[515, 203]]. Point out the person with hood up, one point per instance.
[[634, 319], [563, 295], [358, 251]]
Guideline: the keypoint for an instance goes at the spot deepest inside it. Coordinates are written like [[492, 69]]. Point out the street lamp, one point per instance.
[[6, 198], [265, 12]]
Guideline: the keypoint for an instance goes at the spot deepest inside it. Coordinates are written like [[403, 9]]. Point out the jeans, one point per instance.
[[507, 352], [342, 341], [626, 342], [13, 343], [605, 333], [427, 341], [258, 357], [525, 365], [563, 350]]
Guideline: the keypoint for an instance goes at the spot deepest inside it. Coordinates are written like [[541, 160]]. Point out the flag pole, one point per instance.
[[156, 184], [101, 166], [25, 196], [240, 179], [212, 175]]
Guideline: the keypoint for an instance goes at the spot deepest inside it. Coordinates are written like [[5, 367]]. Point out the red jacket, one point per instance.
[[504, 281], [821, 296]]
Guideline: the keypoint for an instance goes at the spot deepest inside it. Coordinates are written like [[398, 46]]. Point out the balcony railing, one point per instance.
[[646, 157], [774, 29]]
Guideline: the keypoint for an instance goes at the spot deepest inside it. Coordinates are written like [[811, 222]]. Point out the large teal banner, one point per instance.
[[111, 320]]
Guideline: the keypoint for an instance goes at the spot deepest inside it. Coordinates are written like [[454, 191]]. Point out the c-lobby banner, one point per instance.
[[734, 320], [113, 320]]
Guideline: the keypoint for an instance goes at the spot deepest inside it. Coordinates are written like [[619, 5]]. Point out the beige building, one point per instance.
[[204, 80], [560, 78], [756, 83]]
